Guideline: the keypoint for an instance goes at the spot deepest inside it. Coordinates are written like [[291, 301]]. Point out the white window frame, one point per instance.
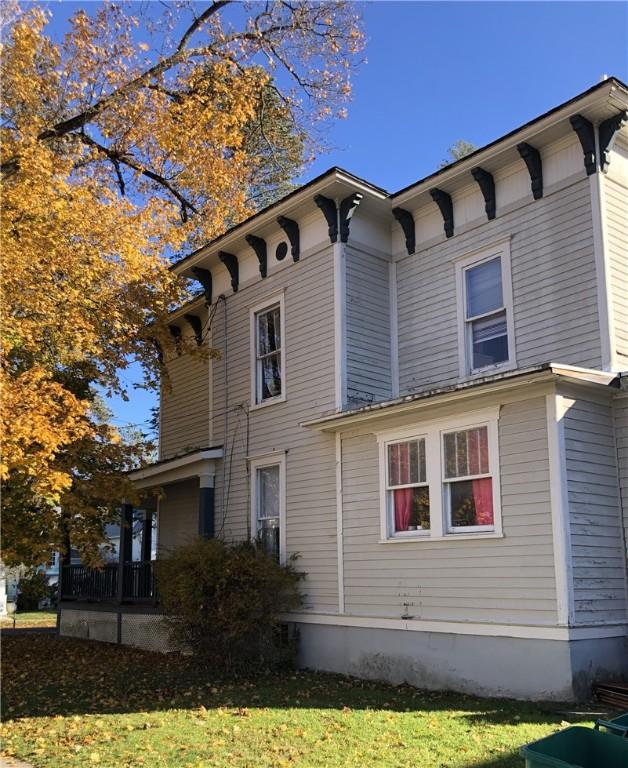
[[388, 490], [499, 250], [272, 301], [433, 432], [273, 459]]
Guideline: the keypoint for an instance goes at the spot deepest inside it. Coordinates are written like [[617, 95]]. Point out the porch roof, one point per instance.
[[508, 379], [198, 463]]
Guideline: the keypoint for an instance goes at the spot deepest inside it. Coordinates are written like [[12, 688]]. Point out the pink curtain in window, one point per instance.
[[403, 508], [483, 500]]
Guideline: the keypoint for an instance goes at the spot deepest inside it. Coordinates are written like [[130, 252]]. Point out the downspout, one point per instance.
[[226, 412]]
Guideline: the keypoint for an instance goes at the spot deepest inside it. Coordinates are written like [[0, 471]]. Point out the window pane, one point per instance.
[[471, 502], [466, 452], [490, 340], [484, 288], [411, 509], [406, 463], [271, 375], [268, 535], [268, 331], [268, 492]]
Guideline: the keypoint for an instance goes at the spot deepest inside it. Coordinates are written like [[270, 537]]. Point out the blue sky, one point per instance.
[[442, 71]]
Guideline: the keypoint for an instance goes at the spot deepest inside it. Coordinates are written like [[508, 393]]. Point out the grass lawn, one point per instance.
[[30, 619], [74, 703]]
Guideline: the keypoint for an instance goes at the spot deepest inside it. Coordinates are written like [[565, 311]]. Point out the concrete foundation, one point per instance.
[[555, 670]]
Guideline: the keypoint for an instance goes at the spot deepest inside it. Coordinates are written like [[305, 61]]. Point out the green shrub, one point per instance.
[[223, 603], [32, 589]]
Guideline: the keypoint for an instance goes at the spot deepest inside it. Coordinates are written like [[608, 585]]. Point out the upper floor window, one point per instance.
[[485, 311], [267, 358]]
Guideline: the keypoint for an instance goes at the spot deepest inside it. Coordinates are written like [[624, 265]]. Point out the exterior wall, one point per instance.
[[597, 556], [177, 518], [309, 376], [616, 221], [368, 327], [508, 580], [620, 407], [184, 406], [553, 286], [557, 670]]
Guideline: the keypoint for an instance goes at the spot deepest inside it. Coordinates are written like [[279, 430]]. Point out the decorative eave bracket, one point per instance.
[[348, 207], [406, 221], [446, 207], [231, 262], [258, 244], [197, 327], [291, 228], [607, 131], [175, 332], [586, 133], [486, 182], [204, 277], [330, 212], [532, 159]]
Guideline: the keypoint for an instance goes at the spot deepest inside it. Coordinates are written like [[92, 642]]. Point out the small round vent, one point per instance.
[[281, 251]]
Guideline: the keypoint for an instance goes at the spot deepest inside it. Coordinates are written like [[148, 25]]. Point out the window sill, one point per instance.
[[266, 403], [447, 537], [477, 373]]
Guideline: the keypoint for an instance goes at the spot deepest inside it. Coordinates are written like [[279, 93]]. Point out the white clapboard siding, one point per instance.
[[177, 520], [185, 406], [594, 511], [553, 286], [368, 328], [621, 437], [310, 457], [616, 200], [508, 580]]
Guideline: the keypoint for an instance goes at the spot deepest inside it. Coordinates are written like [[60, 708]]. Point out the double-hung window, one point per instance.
[[467, 480], [268, 503], [267, 353], [407, 489], [485, 301], [441, 479]]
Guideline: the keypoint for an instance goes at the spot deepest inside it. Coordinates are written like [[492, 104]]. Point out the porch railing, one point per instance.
[[101, 584]]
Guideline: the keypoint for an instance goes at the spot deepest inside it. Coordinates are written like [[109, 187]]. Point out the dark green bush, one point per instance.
[[32, 589], [223, 602]]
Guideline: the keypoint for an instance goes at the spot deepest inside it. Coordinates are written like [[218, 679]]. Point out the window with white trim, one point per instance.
[[441, 479], [485, 310], [268, 503], [467, 481], [267, 353], [407, 488]]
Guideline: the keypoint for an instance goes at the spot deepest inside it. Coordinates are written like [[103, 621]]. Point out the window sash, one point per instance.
[[481, 266], [420, 467], [274, 353]]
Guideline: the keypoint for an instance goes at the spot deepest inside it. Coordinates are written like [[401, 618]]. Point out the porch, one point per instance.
[[119, 601]]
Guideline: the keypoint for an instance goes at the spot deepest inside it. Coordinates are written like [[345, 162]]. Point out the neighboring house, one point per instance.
[[421, 395]]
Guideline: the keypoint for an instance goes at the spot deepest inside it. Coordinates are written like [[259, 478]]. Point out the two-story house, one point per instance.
[[421, 394]]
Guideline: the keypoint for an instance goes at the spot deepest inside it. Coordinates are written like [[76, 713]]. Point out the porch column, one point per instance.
[[206, 506], [147, 535], [125, 553]]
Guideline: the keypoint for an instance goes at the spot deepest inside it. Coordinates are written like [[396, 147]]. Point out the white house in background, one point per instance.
[[421, 394]]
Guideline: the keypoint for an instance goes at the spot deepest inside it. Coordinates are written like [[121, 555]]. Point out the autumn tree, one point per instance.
[[142, 133]]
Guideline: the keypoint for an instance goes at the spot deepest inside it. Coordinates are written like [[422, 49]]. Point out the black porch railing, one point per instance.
[[102, 584]]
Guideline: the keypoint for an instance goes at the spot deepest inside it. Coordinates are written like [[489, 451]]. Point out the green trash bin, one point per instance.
[[618, 725], [577, 747]]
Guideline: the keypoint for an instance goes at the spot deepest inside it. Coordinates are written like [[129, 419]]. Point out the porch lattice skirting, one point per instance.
[[126, 626]]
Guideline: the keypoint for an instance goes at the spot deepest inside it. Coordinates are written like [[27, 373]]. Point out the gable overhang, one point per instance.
[[598, 103], [200, 463], [493, 384], [335, 183]]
